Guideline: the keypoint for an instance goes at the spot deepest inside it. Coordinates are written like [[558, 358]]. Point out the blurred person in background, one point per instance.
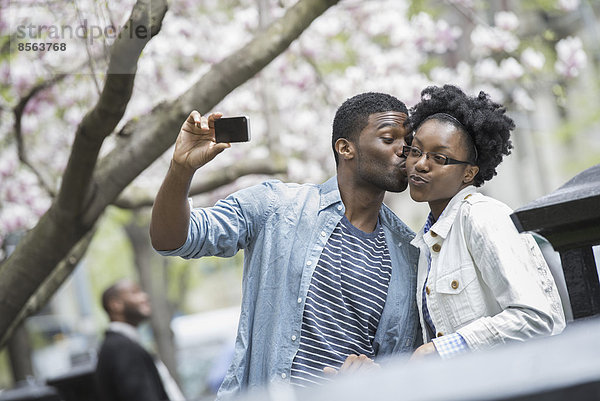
[[480, 283], [329, 274], [126, 371]]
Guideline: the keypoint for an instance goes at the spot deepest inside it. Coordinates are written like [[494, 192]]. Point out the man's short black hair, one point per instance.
[[483, 120], [353, 115], [112, 292]]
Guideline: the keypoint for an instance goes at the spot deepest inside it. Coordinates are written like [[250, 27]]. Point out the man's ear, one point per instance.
[[470, 173], [115, 305], [345, 149]]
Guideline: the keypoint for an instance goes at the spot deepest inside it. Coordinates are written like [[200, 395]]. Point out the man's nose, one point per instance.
[[399, 149]]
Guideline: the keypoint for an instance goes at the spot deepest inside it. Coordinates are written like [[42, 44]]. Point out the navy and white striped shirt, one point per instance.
[[345, 300]]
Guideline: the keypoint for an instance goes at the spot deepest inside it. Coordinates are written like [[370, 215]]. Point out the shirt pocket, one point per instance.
[[459, 295]]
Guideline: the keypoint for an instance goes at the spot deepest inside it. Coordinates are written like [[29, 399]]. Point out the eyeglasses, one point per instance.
[[438, 158]]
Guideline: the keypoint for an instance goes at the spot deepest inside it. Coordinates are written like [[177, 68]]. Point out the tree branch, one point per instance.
[[18, 111], [143, 140], [103, 118], [61, 228], [50, 284], [210, 181]]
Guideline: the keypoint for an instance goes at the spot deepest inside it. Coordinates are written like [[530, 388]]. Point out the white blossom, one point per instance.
[[510, 69], [459, 76], [506, 20], [434, 36], [567, 5], [532, 59], [522, 99], [487, 70], [487, 40], [571, 57]]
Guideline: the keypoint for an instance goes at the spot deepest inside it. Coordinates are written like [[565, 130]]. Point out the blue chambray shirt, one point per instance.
[[283, 229]]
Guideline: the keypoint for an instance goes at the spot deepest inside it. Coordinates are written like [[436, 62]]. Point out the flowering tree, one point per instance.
[[87, 186], [518, 53]]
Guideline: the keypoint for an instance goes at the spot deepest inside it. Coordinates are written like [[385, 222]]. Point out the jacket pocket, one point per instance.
[[459, 295], [456, 281]]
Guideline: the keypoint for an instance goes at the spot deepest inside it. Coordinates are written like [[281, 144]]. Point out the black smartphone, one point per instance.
[[232, 129]]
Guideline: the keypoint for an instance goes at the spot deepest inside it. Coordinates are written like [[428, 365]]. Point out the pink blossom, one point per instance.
[[8, 165], [487, 40], [571, 58], [434, 36], [506, 21], [14, 218]]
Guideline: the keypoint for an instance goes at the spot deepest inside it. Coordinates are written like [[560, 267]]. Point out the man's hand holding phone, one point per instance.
[[195, 145]]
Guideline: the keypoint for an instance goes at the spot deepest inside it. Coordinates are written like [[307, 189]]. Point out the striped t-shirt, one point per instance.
[[345, 299]]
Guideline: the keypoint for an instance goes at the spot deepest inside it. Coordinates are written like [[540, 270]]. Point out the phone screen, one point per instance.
[[232, 129]]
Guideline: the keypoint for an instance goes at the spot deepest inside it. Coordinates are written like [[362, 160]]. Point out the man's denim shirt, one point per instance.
[[283, 229]]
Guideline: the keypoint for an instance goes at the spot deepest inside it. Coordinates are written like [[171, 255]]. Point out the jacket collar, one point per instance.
[[443, 224], [125, 329]]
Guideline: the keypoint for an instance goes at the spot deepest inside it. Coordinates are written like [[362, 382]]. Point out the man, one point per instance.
[[329, 272], [125, 370]]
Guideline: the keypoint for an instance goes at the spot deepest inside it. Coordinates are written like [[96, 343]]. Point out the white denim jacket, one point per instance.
[[487, 282]]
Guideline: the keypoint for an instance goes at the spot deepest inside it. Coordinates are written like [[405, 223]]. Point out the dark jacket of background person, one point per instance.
[[126, 371]]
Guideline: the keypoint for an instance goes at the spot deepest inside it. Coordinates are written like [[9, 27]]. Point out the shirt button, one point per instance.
[[439, 334], [308, 263], [454, 284], [283, 375], [436, 247], [293, 338], [427, 291], [299, 300], [433, 234]]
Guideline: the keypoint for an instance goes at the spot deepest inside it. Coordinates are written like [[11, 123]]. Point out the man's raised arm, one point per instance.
[[195, 146]]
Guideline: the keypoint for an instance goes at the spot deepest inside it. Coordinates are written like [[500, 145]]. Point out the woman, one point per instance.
[[480, 283]]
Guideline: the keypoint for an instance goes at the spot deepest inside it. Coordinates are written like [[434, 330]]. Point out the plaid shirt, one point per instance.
[[452, 344]]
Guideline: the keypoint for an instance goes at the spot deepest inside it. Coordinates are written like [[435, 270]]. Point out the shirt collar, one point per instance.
[[430, 222], [330, 194], [125, 329]]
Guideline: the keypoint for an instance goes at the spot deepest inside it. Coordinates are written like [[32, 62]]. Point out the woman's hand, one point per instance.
[[423, 351]]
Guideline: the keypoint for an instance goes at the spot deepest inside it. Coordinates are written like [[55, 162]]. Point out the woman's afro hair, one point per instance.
[[482, 119]]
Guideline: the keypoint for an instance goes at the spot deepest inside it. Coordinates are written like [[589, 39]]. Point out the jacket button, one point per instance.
[[436, 247], [439, 334], [433, 234], [454, 284], [427, 291], [467, 197]]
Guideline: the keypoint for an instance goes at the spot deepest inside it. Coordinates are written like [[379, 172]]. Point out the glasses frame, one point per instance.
[[406, 152]]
